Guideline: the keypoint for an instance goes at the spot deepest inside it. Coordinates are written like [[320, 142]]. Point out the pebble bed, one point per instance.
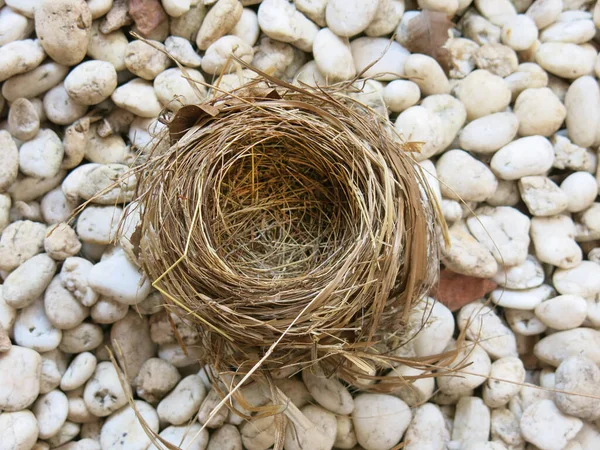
[[513, 130]]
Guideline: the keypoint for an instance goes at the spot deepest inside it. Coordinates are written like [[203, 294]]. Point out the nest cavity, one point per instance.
[[290, 222]]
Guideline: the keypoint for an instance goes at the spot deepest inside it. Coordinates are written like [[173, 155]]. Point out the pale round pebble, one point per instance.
[[427, 74], [418, 124], [28, 282], [497, 393], [524, 322], [479, 368], [464, 177], [563, 312], [532, 155], [399, 95], [63, 310], [82, 338], [79, 371], [545, 12], [545, 426], [108, 311], [103, 393], [122, 430], [183, 51], [583, 279], [482, 324], [321, 437], [23, 120], [110, 47], [566, 60], [350, 17], [333, 56], [555, 348], [155, 379], [61, 242], [35, 82], [580, 375], [542, 196], [581, 189], [225, 438], [175, 91], [582, 101], [472, 422], [553, 239], [328, 392], [519, 32], [540, 112], [98, 224], [526, 275], [427, 429], [183, 401], [380, 420], [41, 156], [387, 59], [19, 430], [217, 60], [489, 133], [483, 93], [51, 411], [220, 19], [20, 372], [91, 82], [146, 60], [190, 437], [138, 97], [497, 59], [247, 27], [129, 287], [64, 28]]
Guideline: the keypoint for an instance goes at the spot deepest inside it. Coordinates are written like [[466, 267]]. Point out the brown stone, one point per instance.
[[147, 14], [456, 290]]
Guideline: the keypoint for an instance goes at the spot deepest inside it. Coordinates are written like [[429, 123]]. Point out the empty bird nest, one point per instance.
[[291, 225]]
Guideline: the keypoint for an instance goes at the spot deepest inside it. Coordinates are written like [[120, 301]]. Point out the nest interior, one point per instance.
[[292, 216]]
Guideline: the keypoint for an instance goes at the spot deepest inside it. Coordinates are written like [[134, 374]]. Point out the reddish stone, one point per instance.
[[455, 290], [147, 14]]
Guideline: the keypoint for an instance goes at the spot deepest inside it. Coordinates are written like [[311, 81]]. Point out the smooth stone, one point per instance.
[[563, 312], [545, 426], [122, 430], [380, 420], [578, 375], [19, 430], [330, 393], [20, 373], [556, 347]]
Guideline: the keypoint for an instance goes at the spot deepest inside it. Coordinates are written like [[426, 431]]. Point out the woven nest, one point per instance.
[[290, 225]]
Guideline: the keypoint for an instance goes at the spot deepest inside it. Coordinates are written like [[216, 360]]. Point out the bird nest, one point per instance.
[[290, 225]]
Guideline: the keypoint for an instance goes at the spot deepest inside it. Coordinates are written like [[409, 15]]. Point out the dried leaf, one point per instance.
[[456, 290], [427, 34], [188, 116]]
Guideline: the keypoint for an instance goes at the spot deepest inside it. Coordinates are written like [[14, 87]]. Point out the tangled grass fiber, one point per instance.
[[292, 226]]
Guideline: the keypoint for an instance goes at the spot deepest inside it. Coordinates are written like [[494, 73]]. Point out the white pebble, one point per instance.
[[41, 156], [566, 60], [483, 93], [545, 426], [217, 56], [122, 430], [51, 411], [539, 111], [483, 325], [418, 124], [526, 275], [138, 97], [84, 337], [175, 91], [19, 430], [280, 20], [427, 430], [380, 420], [183, 51], [572, 26], [328, 392], [427, 74], [578, 375], [479, 365], [545, 12], [553, 239], [542, 196], [35, 82], [320, 437], [19, 57], [220, 19], [79, 371], [583, 110], [350, 17], [464, 177], [74, 278], [555, 348], [519, 32], [333, 56], [467, 255], [471, 421], [489, 133], [387, 59], [103, 393], [64, 311], [117, 278], [20, 372], [91, 82], [581, 190], [145, 60], [563, 312], [28, 282], [188, 437], [10, 160], [399, 95], [496, 392], [247, 27], [532, 155], [13, 26], [183, 401]]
